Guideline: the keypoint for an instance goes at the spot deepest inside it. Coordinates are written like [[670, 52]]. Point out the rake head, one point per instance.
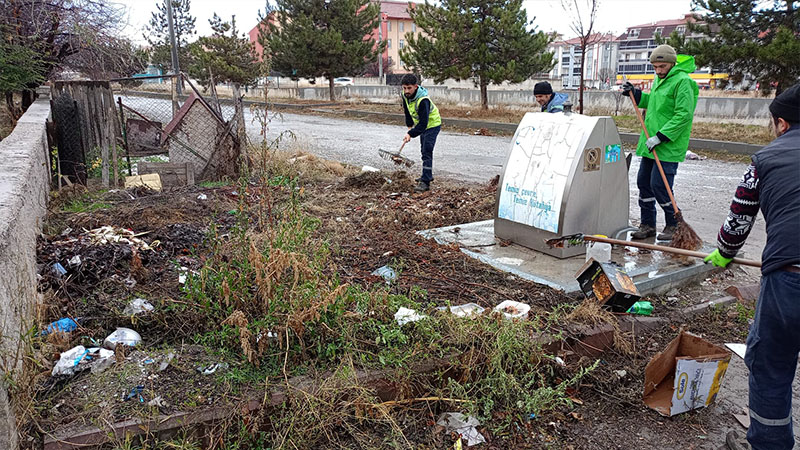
[[396, 158]]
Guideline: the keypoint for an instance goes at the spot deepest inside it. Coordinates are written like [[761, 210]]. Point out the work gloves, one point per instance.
[[717, 259], [652, 142], [627, 88]]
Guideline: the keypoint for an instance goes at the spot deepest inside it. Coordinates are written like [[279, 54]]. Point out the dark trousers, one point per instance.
[[427, 140], [652, 191], [772, 347]]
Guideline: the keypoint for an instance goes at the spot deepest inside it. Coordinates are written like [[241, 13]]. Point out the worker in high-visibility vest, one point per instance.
[[423, 120]]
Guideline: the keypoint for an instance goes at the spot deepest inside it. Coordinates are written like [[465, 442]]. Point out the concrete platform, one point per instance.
[[653, 272]]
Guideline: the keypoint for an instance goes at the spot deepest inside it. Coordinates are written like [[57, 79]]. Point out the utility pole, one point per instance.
[[176, 68], [380, 56]]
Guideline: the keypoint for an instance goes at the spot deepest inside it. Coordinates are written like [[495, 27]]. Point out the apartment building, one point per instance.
[[638, 42], [395, 24], [599, 66]]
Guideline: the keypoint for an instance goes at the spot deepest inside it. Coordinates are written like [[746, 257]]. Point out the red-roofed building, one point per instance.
[[600, 64]]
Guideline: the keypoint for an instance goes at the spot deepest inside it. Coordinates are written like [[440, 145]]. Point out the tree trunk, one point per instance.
[[484, 95], [580, 84], [28, 96], [332, 90]]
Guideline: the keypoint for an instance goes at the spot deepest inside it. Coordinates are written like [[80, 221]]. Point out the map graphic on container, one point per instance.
[[531, 194]]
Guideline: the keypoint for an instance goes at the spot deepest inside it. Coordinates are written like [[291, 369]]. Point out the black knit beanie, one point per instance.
[[787, 105], [542, 88]]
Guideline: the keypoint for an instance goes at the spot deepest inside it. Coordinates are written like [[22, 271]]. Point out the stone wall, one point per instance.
[[24, 186]]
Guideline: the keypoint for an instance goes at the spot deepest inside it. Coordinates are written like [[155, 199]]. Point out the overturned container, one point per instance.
[[565, 174]]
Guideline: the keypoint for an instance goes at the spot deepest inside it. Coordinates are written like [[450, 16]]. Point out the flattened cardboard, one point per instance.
[[150, 180], [685, 376], [622, 291]]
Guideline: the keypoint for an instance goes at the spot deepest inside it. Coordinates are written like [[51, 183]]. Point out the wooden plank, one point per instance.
[[172, 174]]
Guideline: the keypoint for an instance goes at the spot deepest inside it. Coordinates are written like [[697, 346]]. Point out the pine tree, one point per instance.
[[329, 38], [750, 41], [488, 41], [157, 32], [226, 55]]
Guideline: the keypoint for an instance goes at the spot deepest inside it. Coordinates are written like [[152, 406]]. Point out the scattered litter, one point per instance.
[[201, 197], [79, 358], [182, 273], [370, 169], [124, 336], [64, 325], [672, 299], [75, 261], [560, 361], [406, 315], [208, 370], [138, 306], [69, 361], [59, 270], [386, 272], [692, 156], [387, 254], [165, 362], [109, 234], [150, 180], [621, 373], [135, 392], [513, 310], [531, 416], [158, 402], [739, 349], [685, 376], [66, 231], [744, 418], [642, 308], [466, 310], [102, 359], [463, 425], [610, 285]]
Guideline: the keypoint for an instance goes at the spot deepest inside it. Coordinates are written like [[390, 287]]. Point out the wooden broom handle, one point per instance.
[[662, 248], [655, 156]]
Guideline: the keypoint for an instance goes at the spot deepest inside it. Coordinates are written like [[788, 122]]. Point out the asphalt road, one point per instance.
[[703, 189]]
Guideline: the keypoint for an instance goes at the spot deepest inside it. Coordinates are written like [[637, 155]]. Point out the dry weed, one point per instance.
[[591, 312], [239, 320]]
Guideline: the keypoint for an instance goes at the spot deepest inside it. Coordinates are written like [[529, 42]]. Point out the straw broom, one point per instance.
[[684, 237]]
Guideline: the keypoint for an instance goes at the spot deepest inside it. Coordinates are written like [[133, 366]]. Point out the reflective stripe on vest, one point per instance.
[[434, 119]]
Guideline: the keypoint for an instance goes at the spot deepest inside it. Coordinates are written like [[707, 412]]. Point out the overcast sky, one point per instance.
[[614, 15]]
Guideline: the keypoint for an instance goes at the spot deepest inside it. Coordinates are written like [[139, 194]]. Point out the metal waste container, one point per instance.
[[565, 174]]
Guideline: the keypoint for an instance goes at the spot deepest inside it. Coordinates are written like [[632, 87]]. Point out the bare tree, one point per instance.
[[58, 31], [583, 13]]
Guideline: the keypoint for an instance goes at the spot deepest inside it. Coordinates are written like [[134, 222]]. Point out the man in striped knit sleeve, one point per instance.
[[771, 184]]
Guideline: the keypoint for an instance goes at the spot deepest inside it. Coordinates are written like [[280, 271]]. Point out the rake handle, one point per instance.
[[662, 248], [655, 156]]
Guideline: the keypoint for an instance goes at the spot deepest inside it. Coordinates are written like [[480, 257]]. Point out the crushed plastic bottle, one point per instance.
[[641, 308]]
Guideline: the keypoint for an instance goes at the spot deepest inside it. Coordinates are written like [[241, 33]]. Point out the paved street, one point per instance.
[[703, 189]]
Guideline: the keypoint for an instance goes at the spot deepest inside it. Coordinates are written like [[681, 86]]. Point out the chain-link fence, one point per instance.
[[189, 129]]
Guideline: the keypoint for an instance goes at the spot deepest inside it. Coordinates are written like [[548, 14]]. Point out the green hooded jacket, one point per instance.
[[670, 110]]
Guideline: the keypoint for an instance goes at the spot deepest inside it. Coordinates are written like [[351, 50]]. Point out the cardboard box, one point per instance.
[[609, 284], [685, 376], [150, 180]]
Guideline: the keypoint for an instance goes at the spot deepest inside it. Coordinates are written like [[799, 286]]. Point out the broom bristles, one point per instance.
[[685, 237]]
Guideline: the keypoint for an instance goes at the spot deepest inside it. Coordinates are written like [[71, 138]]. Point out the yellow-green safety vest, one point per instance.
[[434, 119]]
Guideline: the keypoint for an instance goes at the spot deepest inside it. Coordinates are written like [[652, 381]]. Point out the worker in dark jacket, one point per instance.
[[550, 101], [423, 120], [771, 183]]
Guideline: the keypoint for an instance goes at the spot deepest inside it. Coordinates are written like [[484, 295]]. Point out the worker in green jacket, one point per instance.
[[670, 108]]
